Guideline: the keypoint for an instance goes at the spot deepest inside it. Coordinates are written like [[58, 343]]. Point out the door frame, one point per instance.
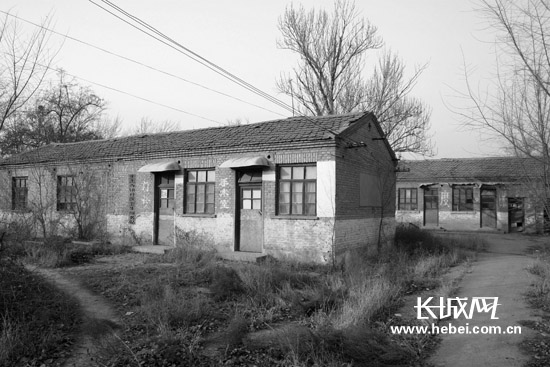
[[156, 200], [424, 203], [238, 198], [489, 188]]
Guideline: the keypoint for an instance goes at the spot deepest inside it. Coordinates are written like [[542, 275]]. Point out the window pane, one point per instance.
[[284, 208], [192, 176], [201, 176], [210, 208], [190, 207], [210, 189], [310, 209], [210, 198], [297, 173], [311, 172], [297, 209], [245, 177], [297, 187], [285, 173], [285, 187], [256, 204], [211, 176], [284, 198], [310, 198], [297, 198], [310, 187], [247, 204], [247, 194], [257, 194]]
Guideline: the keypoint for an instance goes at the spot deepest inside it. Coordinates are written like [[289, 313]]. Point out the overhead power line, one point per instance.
[[154, 33], [133, 95], [138, 62]]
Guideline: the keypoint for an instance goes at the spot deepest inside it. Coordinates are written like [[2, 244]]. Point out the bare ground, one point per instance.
[[100, 322], [501, 272]]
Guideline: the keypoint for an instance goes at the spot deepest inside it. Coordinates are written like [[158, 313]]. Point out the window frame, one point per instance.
[[208, 189], [304, 192], [463, 205], [66, 206], [19, 194], [404, 204]]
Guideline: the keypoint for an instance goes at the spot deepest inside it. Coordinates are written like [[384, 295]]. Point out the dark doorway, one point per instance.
[[250, 224], [431, 207], [516, 215], [488, 208], [163, 229]]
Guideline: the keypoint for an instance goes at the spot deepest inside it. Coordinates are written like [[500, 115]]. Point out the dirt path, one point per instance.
[[502, 273], [100, 322]]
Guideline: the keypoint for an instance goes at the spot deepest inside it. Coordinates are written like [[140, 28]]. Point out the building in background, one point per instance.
[[497, 194]]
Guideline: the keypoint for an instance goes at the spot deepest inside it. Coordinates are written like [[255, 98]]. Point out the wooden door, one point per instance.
[[250, 226], [488, 208], [431, 207], [164, 208]]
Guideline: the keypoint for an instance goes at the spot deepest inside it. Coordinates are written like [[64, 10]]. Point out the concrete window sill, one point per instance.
[[464, 213], [294, 217], [198, 215], [408, 211]]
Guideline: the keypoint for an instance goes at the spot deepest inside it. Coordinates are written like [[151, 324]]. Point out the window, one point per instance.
[[165, 185], [66, 193], [408, 199], [251, 198], [200, 186], [463, 199], [250, 183], [19, 193], [297, 190]]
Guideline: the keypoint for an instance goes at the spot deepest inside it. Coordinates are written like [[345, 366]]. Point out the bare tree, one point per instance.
[[149, 126], [515, 104], [65, 112], [329, 78], [404, 119], [24, 63]]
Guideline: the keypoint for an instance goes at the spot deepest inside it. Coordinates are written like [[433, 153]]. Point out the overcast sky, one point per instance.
[[240, 36]]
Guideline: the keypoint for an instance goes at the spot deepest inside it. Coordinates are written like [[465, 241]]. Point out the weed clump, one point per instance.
[[226, 283], [36, 319]]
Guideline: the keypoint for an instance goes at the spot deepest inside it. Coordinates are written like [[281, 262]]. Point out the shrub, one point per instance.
[[414, 240], [192, 247], [168, 308], [225, 283]]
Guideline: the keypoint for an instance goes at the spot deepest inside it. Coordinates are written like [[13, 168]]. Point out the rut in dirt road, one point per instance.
[[100, 323], [502, 273]]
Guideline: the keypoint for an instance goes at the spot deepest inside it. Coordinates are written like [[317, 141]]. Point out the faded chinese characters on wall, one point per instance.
[[224, 193], [444, 199], [132, 199]]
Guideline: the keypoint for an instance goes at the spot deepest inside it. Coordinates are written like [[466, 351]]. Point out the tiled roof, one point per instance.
[[494, 169], [293, 130]]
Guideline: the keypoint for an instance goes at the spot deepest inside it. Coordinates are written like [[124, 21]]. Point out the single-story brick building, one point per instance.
[[472, 194], [303, 187]]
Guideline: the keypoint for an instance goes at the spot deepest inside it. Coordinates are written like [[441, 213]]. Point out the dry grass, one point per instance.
[[36, 320], [540, 293], [345, 312], [58, 252], [170, 308]]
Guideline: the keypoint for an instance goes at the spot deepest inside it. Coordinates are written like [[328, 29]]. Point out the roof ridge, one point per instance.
[[292, 130], [287, 119]]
